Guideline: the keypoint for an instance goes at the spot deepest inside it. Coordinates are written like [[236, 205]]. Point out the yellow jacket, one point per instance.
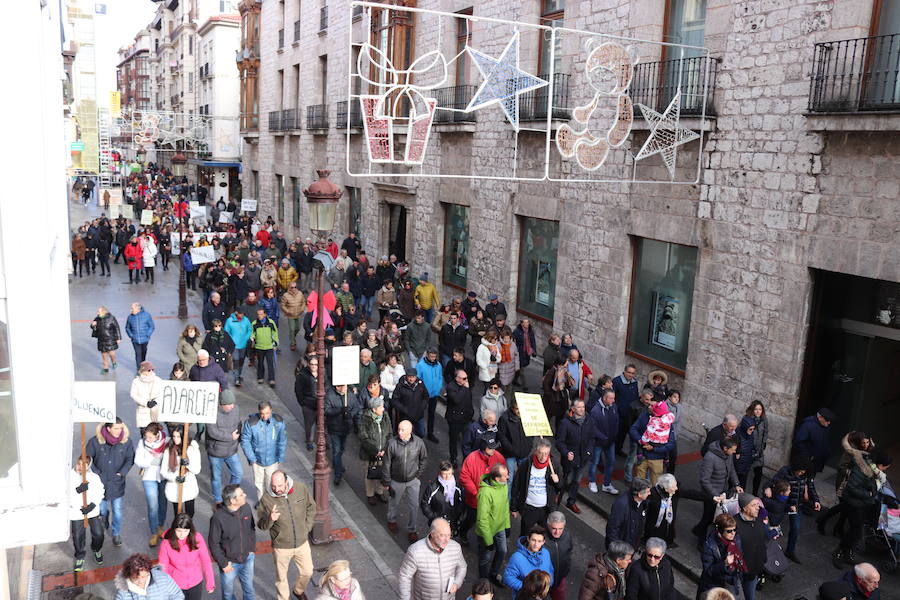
[[427, 295], [286, 276]]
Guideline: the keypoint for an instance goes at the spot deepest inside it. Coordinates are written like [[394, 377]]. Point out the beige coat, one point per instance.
[[143, 392], [187, 353], [293, 304], [425, 574]]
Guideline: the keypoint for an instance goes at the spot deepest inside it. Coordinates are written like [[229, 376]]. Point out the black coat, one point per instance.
[[106, 330], [577, 439], [305, 389], [451, 338], [520, 486], [410, 400], [713, 436], [467, 365], [435, 506], [111, 463], [666, 530], [513, 441], [644, 582], [459, 404], [231, 535], [211, 311], [560, 550], [220, 346], [754, 536], [626, 521]]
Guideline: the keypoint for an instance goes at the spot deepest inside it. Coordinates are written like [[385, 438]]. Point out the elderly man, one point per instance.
[[477, 430], [345, 297], [535, 486], [139, 328], [214, 309], [293, 305], [404, 464], [208, 370], [628, 515], [222, 441], [811, 439], [288, 511], [263, 439], [727, 429], [286, 275], [433, 568], [367, 366], [232, 541], [860, 583], [717, 477], [605, 574], [754, 540], [652, 576], [559, 545]]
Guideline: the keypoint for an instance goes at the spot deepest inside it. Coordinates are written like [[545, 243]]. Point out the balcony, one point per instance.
[[275, 120], [323, 19], [281, 38], [656, 83], [296, 31], [355, 115], [290, 119], [856, 76], [533, 104], [456, 97], [204, 71], [317, 118]]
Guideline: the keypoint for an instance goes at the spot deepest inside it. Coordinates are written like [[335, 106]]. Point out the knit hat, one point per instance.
[[660, 409], [744, 499], [423, 277], [488, 440], [376, 402], [493, 297], [826, 413], [472, 295], [226, 397]]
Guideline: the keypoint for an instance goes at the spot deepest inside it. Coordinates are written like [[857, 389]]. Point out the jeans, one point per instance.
[[116, 521], [364, 306], [238, 357], [794, 533], [606, 454], [265, 358], [573, 479], [419, 427], [413, 359], [140, 354], [511, 465], [242, 571], [337, 443], [491, 559], [155, 493], [630, 460], [78, 535], [749, 585], [429, 314], [233, 463]]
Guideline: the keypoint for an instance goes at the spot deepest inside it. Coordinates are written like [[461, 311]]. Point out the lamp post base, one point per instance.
[[321, 533]]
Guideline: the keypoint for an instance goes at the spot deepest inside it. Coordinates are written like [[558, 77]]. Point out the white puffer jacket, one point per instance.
[[143, 392], [191, 489], [426, 574], [94, 495]]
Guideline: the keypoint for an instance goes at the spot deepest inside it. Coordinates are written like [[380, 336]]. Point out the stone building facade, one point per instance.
[[785, 251]]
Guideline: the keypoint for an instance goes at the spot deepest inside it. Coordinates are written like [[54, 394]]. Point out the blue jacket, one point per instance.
[[577, 439], [187, 261], [239, 331], [140, 327], [273, 311], [264, 441], [522, 562], [626, 393], [432, 375], [606, 423], [744, 459], [715, 574], [811, 441], [659, 451], [626, 521]]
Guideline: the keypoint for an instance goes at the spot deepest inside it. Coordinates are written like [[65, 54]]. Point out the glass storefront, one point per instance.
[[537, 267], [456, 245]]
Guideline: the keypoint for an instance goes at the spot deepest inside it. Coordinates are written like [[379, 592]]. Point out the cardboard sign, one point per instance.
[[248, 205], [197, 211], [146, 217], [203, 254], [225, 217], [127, 211], [176, 242], [534, 418], [345, 365], [189, 401], [94, 402]]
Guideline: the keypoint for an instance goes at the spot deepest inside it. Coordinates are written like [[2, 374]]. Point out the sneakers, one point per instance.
[[79, 565], [609, 489], [238, 382], [272, 384], [98, 558], [259, 381], [593, 487], [117, 540], [115, 365]]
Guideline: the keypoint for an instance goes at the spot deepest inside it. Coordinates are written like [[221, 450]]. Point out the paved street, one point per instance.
[[374, 553]]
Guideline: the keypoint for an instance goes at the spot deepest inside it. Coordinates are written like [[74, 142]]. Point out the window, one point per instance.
[[538, 249], [279, 199], [256, 186], [456, 245], [191, 45], [686, 22], [463, 37], [662, 292], [355, 209], [552, 13], [393, 34], [296, 196]]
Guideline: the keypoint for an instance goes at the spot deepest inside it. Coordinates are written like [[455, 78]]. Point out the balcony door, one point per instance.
[[684, 68], [883, 86]]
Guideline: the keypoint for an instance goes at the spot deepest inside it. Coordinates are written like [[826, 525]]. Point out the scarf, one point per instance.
[[156, 448], [618, 573], [527, 342], [560, 382], [538, 464], [341, 593], [191, 339], [738, 566], [505, 352], [377, 418], [108, 436], [146, 377], [665, 509], [449, 486]]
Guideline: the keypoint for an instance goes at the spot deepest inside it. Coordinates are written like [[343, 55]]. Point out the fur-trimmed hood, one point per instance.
[[858, 456], [102, 440]]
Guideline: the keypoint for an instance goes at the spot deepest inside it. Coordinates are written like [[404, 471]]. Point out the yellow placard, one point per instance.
[[115, 104], [534, 418]]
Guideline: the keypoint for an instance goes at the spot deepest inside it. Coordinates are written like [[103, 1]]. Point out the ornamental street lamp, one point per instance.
[[322, 197], [178, 162]]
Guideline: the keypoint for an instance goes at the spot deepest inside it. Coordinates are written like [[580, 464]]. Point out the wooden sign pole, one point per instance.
[[184, 445], [84, 501]]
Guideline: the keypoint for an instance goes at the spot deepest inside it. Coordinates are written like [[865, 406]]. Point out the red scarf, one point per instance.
[[527, 339], [539, 465], [505, 352], [732, 548]]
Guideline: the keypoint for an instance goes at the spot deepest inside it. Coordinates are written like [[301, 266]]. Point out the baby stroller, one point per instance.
[[887, 529]]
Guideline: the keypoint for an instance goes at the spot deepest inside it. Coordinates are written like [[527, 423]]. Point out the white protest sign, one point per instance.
[[94, 402], [189, 401], [115, 195], [197, 211], [533, 415], [248, 205], [114, 211], [345, 365], [203, 254], [127, 211], [225, 217], [176, 243], [146, 217]]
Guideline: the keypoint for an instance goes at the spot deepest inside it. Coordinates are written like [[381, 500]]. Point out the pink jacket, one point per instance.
[[185, 567]]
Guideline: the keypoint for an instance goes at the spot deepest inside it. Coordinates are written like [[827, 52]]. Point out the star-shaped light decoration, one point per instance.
[[503, 80], [665, 134]]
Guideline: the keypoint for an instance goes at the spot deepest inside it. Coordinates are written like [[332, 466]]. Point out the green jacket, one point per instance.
[[373, 437], [492, 514], [345, 299], [264, 336], [364, 373], [298, 513]]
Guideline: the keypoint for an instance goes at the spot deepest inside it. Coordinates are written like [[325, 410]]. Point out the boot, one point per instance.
[[154, 540]]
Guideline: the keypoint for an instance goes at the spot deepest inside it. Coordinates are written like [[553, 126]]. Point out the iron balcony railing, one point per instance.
[[317, 116], [533, 105], [281, 38], [275, 120], [323, 18], [656, 83], [296, 31], [355, 115], [289, 119], [856, 75], [456, 97]]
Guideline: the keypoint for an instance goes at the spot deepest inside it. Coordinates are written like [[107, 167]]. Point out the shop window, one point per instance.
[[662, 292], [296, 197], [538, 259], [456, 245], [355, 210], [279, 199]]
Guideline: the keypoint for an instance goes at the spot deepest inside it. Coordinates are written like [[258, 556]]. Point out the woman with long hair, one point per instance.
[[185, 557], [171, 470], [855, 444], [105, 328], [148, 456], [757, 411], [338, 583], [189, 344]]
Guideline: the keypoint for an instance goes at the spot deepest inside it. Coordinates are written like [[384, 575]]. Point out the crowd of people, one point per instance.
[[413, 354]]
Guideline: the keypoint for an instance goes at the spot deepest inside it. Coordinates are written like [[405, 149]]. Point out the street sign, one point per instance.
[[189, 401], [94, 402], [534, 418], [345, 365]]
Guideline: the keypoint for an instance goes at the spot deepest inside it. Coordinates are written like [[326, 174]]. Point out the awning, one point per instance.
[[214, 163]]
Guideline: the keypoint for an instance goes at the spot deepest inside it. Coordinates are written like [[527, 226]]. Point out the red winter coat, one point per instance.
[[264, 236], [476, 466], [134, 251], [181, 209]]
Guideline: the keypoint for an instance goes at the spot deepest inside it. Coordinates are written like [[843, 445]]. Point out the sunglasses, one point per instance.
[[654, 556], [729, 530]]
